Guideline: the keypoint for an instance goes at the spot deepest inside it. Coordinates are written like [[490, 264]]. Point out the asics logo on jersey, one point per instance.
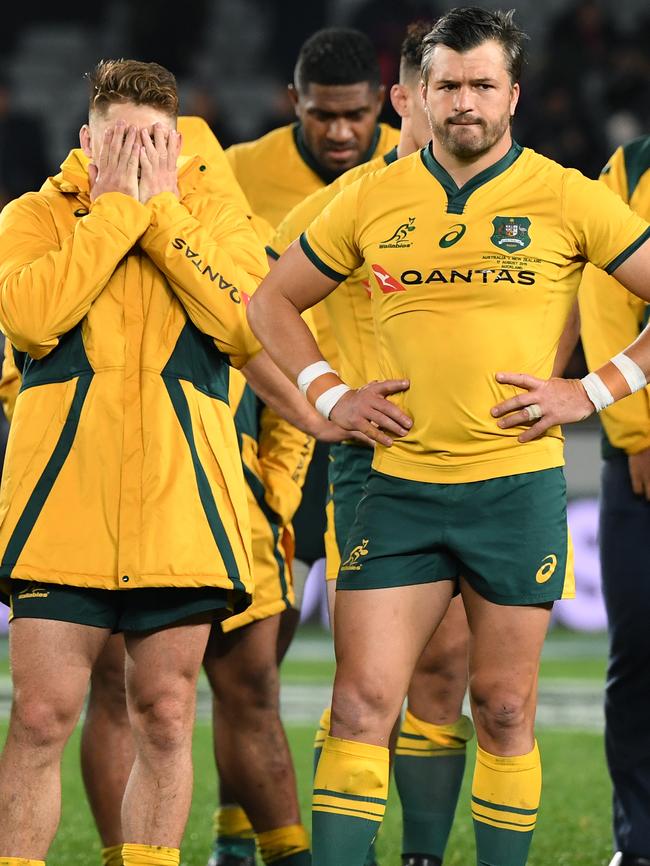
[[398, 240], [356, 553], [387, 284], [452, 237], [547, 568]]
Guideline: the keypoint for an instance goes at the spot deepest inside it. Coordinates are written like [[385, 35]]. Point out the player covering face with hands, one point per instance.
[[140, 161]]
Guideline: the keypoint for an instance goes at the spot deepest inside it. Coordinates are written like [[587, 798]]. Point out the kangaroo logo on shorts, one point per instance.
[[547, 568], [511, 234], [356, 553]]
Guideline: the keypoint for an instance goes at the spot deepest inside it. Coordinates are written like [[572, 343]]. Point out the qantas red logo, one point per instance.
[[387, 284]]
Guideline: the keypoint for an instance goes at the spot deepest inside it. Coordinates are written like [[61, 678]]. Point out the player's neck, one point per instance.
[[407, 144], [463, 171]]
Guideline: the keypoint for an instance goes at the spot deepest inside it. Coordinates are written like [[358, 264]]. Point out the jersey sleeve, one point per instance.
[[331, 241], [602, 227]]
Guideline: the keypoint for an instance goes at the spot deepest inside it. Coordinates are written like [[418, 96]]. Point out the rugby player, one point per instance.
[[275, 459], [454, 501], [123, 345], [430, 753]]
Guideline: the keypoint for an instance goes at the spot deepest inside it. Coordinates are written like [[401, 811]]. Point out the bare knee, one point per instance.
[[163, 721], [363, 710], [42, 722], [502, 712], [256, 693]]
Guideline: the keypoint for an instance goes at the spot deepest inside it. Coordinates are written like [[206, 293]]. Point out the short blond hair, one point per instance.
[[116, 81]]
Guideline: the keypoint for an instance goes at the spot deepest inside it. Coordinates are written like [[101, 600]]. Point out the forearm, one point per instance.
[[212, 263], [45, 292], [274, 389]]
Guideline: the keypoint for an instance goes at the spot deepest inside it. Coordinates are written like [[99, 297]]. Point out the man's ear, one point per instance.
[[85, 140], [293, 97], [399, 99]]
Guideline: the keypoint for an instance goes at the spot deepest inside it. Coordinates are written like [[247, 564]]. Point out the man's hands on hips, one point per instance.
[[551, 401], [158, 158], [639, 466], [133, 162], [119, 162], [371, 414]]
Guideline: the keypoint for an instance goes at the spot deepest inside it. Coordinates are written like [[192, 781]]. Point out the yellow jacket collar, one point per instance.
[[73, 177]]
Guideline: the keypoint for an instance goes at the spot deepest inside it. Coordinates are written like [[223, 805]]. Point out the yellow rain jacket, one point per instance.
[[122, 468]]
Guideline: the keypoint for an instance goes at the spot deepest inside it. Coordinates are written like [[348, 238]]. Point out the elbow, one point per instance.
[[28, 337]]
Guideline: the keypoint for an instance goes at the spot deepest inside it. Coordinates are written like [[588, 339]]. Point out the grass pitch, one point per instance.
[[575, 816]]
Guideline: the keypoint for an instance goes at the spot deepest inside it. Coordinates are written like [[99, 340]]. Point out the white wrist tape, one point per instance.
[[328, 399], [631, 372], [311, 372], [597, 391]]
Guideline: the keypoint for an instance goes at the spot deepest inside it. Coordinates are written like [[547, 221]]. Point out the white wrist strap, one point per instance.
[[311, 372], [631, 372], [597, 391], [328, 399]]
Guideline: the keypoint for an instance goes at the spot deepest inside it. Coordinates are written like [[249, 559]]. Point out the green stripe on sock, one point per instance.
[[356, 797], [500, 808]]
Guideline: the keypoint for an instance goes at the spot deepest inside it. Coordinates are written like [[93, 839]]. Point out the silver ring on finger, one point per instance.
[[534, 411]]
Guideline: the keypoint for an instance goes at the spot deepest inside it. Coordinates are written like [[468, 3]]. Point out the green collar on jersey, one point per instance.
[[308, 158], [391, 156], [457, 196]]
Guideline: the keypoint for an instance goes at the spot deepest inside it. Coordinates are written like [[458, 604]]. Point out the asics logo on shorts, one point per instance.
[[547, 568], [356, 553]]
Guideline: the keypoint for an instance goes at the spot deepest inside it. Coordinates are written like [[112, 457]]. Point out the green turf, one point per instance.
[[573, 827], [574, 824]]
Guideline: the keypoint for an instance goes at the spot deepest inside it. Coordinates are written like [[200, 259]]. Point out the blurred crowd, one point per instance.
[[586, 87]]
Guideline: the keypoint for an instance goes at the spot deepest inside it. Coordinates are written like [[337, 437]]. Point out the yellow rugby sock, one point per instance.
[[429, 766], [20, 861], [321, 734], [149, 855], [505, 799], [112, 856], [285, 846], [350, 791], [233, 832]]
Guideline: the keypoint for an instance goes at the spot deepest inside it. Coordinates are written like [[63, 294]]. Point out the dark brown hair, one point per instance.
[[412, 45], [115, 81], [470, 26]]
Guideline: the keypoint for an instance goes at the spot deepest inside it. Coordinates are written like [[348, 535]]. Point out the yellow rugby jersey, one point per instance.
[[611, 316], [348, 308], [276, 171], [481, 280]]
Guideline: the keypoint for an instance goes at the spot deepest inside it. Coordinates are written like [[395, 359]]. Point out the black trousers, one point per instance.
[[625, 559]]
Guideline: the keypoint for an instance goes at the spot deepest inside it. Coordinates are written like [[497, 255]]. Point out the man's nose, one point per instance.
[[340, 130], [463, 100]]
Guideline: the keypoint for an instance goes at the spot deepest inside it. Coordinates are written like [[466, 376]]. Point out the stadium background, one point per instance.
[[586, 90]]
